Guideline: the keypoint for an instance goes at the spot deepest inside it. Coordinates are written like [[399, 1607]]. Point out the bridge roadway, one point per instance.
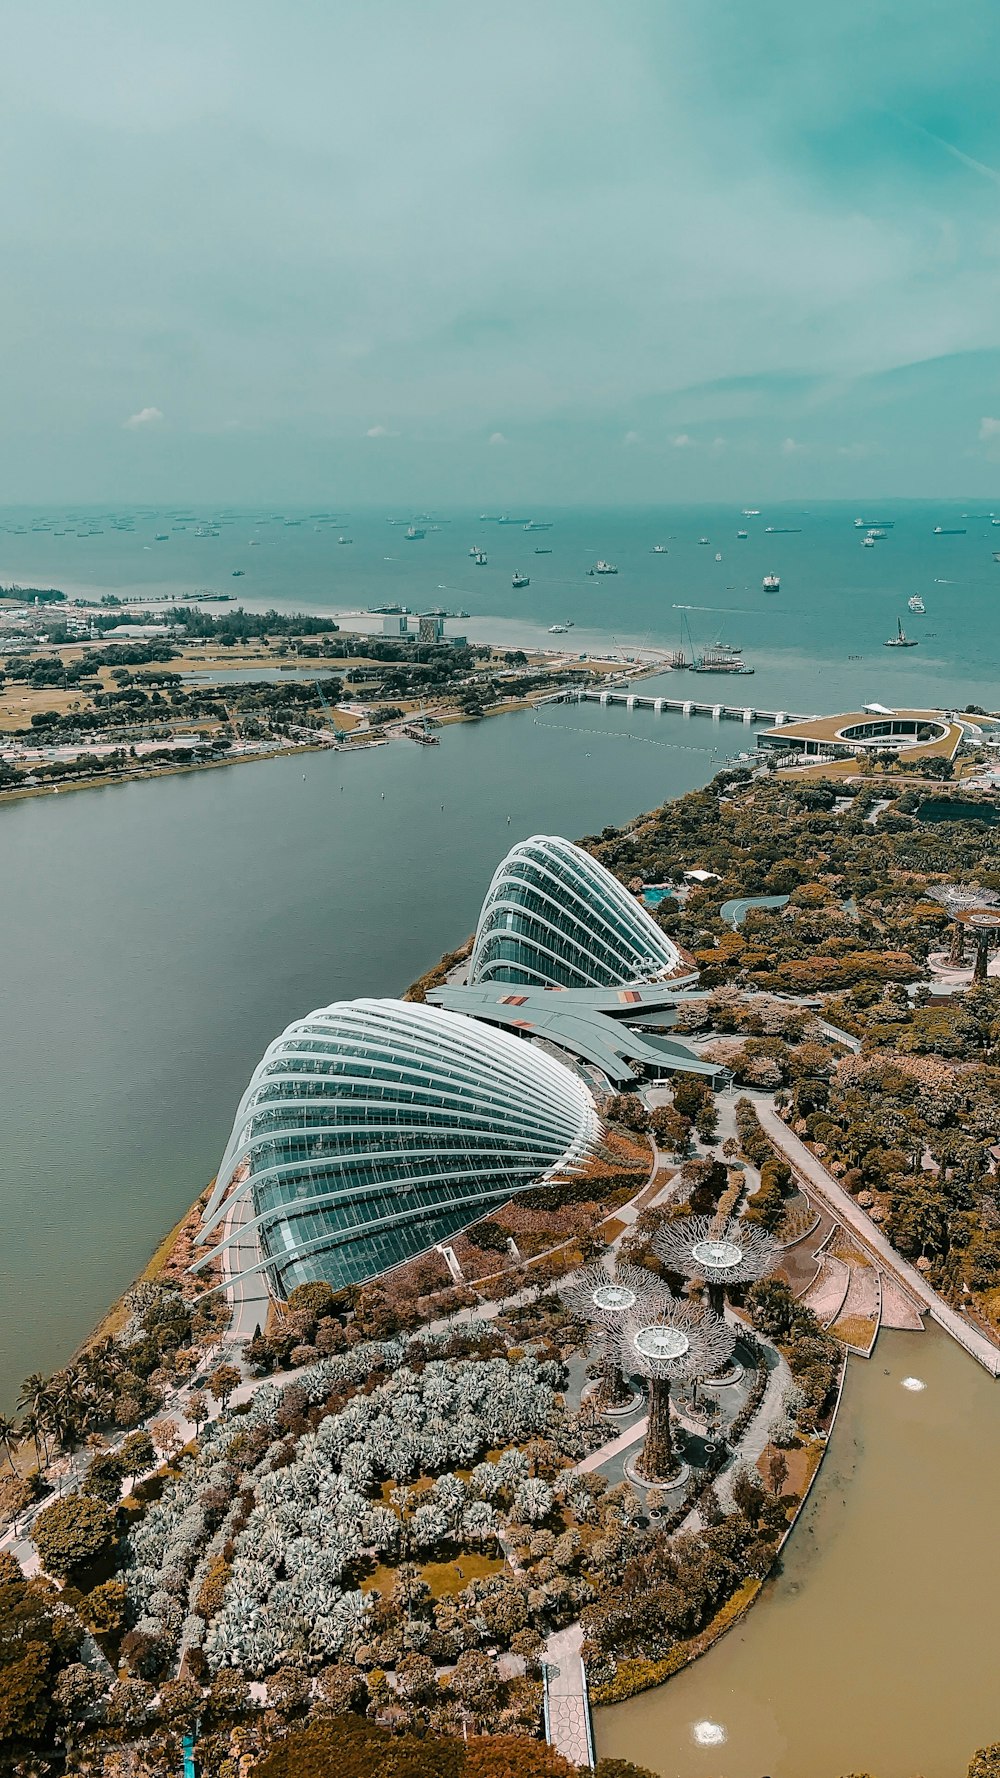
[[634, 700]]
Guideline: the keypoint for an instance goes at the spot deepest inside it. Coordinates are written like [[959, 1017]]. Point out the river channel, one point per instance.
[[877, 1647]]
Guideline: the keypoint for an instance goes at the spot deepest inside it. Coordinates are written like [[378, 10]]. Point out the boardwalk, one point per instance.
[[870, 1237]]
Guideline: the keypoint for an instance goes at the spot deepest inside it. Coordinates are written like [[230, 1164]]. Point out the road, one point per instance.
[[854, 1218]]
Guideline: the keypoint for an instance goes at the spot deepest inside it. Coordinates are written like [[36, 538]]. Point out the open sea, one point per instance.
[[817, 644]]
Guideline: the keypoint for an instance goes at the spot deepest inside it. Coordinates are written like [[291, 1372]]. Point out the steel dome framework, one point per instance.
[[556, 917], [373, 1129], [669, 1341]]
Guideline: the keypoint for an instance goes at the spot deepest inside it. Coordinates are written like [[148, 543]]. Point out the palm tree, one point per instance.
[[31, 1427], [8, 1437], [66, 1406], [34, 1398]]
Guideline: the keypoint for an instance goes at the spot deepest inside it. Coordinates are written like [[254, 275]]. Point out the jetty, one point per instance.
[[634, 700]]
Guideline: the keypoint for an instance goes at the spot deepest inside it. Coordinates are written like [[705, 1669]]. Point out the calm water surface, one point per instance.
[[878, 1647]]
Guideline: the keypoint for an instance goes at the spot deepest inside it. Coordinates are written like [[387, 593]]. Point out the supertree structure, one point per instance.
[[733, 1252], [669, 1341], [605, 1301]]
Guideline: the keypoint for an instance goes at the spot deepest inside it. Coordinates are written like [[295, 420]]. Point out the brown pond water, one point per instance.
[[877, 1647]]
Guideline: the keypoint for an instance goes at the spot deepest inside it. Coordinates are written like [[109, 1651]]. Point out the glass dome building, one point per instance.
[[373, 1129], [555, 917]]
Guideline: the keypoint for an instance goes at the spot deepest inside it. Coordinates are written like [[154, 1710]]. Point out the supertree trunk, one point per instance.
[[657, 1461], [614, 1392], [716, 1294], [982, 957], [956, 956]]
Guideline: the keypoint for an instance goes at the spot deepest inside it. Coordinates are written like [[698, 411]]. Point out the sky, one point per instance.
[[577, 250]]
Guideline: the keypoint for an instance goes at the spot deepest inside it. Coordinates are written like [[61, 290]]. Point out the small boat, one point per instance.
[[162, 537], [480, 558], [751, 512], [901, 639], [255, 543], [659, 549], [996, 555], [718, 555], [519, 580], [874, 524], [413, 535], [783, 530], [345, 539], [876, 534], [868, 542], [916, 604], [237, 572], [703, 540], [558, 629], [605, 568], [539, 525], [949, 531], [771, 583], [543, 552], [743, 535]]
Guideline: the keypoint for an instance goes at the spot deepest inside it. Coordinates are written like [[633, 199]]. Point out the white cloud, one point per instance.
[[632, 438], [147, 416], [988, 430], [380, 432], [682, 441], [497, 438]]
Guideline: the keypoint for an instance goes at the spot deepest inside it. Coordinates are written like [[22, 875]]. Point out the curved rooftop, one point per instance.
[[554, 917], [373, 1129]]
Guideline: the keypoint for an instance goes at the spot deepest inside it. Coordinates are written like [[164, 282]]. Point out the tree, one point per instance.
[[103, 1480], [136, 1454], [72, 1532], [103, 1608], [985, 1762], [196, 1408], [8, 1437], [777, 1470], [223, 1381], [166, 1435]]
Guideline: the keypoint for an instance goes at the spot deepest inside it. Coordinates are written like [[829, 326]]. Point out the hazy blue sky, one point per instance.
[[627, 250]]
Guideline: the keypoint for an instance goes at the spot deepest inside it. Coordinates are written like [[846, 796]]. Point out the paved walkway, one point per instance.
[[870, 1237], [248, 1297], [567, 1706]]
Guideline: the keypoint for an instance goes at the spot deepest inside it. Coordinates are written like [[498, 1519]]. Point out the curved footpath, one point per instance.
[[804, 1162]]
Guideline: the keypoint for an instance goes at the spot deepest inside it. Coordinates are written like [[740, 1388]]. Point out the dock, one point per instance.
[[634, 700]]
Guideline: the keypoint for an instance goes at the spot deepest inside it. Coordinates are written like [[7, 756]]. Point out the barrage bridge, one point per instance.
[[634, 700]]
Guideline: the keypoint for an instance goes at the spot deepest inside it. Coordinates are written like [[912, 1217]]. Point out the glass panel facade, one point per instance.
[[375, 1128], [553, 916]]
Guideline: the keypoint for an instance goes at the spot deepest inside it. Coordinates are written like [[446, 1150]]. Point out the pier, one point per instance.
[[634, 700]]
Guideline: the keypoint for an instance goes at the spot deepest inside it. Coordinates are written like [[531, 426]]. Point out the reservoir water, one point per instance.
[[877, 1648]]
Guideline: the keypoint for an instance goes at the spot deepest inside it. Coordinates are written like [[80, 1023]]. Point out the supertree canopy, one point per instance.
[[736, 1252], [605, 1301], [669, 1341]]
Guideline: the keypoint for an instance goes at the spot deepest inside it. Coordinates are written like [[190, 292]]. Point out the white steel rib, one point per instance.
[[554, 915], [373, 1128]]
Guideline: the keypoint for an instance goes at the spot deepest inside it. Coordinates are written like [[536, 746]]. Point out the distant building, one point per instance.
[[395, 624], [431, 630], [908, 733]]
